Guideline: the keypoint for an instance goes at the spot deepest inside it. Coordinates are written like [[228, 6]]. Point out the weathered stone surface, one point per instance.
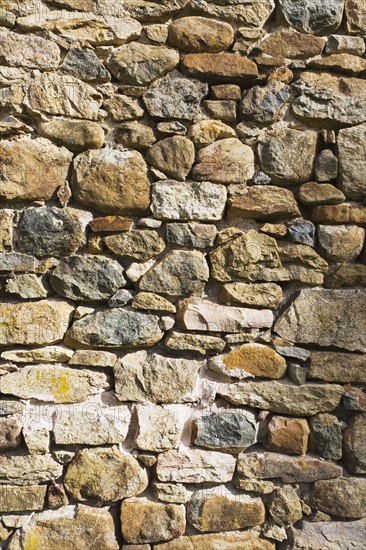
[[199, 34], [171, 493], [51, 231], [207, 131], [346, 275], [153, 302], [175, 96], [135, 135], [158, 428], [340, 213], [172, 200], [314, 17], [225, 67], [112, 181], [250, 360], [312, 194], [10, 433], [333, 366], [341, 243], [104, 475], [263, 203], [291, 44], [221, 109], [226, 430], [326, 436], [93, 358], [151, 377], [198, 343], [174, 156], [192, 234], [87, 278], [287, 435], [28, 469], [284, 398], [279, 155], [340, 63], [267, 295], [73, 527], [165, 521], [252, 14], [27, 286], [225, 161], [48, 354], [328, 535], [219, 509], [53, 383], [115, 328], [339, 320], [265, 104], [231, 540], [355, 16], [338, 43], [326, 166], [6, 230], [353, 442], [354, 399], [66, 95], [34, 323], [76, 135], [342, 497], [28, 51], [352, 162], [44, 167], [285, 506], [195, 466], [84, 64], [196, 314], [289, 469], [153, 11], [137, 244], [21, 499]]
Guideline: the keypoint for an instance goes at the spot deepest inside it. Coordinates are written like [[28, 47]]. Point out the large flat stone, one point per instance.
[[352, 163], [332, 366], [342, 497], [22, 499], [28, 469], [331, 535], [231, 540], [225, 67], [28, 51]]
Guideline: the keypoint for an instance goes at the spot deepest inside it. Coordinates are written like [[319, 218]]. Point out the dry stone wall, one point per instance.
[[182, 275]]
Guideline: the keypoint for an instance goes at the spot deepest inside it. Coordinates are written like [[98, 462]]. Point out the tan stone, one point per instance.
[[146, 521], [224, 109], [21, 499], [232, 540], [341, 63], [291, 44], [158, 428], [341, 243], [10, 433], [76, 135], [6, 229], [137, 244], [285, 505], [355, 16], [225, 67], [199, 34], [48, 354], [198, 343], [28, 469], [332, 366], [153, 302], [174, 156], [266, 295], [342, 497], [313, 194], [207, 131], [340, 213], [263, 203], [28, 51], [135, 135], [287, 435], [354, 445]]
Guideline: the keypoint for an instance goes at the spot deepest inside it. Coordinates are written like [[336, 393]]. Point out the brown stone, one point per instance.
[[263, 203], [291, 44], [346, 275], [225, 67], [287, 435], [332, 366], [10, 433], [355, 16], [138, 244], [21, 499], [226, 91], [174, 156], [341, 63], [267, 295], [207, 131], [200, 34], [313, 194], [232, 540], [354, 445], [110, 223], [340, 213], [342, 497]]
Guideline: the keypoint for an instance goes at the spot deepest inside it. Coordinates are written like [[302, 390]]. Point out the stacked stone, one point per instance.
[[182, 274]]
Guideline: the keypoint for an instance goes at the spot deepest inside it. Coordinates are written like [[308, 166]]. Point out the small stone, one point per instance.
[[265, 104], [152, 302], [263, 203], [199, 34], [355, 16], [297, 373], [142, 377], [291, 44], [287, 435], [341, 243], [285, 506], [219, 509], [172, 200], [115, 328], [225, 541], [137, 269], [284, 398], [27, 286], [326, 436], [340, 213], [207, 131], [120, 298], [171, 493], [84, 64], [353, 444], [51, 231], [352, 164], [48, 354], [255, 486], [312, 194], [166, 521], [112, 181], [139, 64], [225, 67], [224, 109], [53, 383], [226, 91], [225, 161], [278, 154], [313, 17], [37, 440], [227, 430], [274, 229], [121, 107], [174, 156], [266, 295], [135, 135], [195, 466], [193, 235], [354, 399], [175, 96], [10, 434], [342, 497], [28, 51], [149, 223], [28, 469], [338, 43], [6, 229], [56, 496], [104, 475], [328, 536], [197, 343], [301, 231], [137, 244], [93, 358], [326, 166], [22, 499], [157, 33], [158, 428], [110, 223], [172, 127]]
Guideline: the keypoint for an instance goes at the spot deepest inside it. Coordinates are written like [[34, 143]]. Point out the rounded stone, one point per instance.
[[313, 16], [200, 34]]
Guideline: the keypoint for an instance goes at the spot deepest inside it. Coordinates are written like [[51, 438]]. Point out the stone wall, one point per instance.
[[182, 275]]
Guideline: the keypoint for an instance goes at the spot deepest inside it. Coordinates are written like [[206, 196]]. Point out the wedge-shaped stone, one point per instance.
[[142, 377], [289, 469], [342, 497], [227, 430], [70, 527], [44, 167], [266, 203], [53, 383], [332, 366], [197, 314], [103, 475], [172, 200], [312, 194], [115, 328], [195, 466], [22, 499], [137, 244], [225, 67], [284, 398], [112, 181], [48, 354], [326, 318], [34, 323], [331, 535], [231, 540], [28, 51], [28, 469]]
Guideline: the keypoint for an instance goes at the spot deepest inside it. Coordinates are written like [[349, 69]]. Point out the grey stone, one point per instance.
[[227, 430], [87, 278], [175, 96], [313, 16], [138, 244], [84, 64], [285, 505], [326, 436], [250, 13], [353, 443], [338, 43], [27, 286], [331, 535], [343, 497], [120, 298], [352, 161], [326, 166], [264, 104], [194, 235], [301, 231]]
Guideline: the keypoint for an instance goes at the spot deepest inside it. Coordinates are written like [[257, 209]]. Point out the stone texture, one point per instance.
[[21, 499], [43, 169], [346, 275], [28, 469], [342, 497], [74, 527], [200, 34], [166, 521], [192, 234], [153, 302], [341, 243], [352, 163], [291, 44], [115, 328], [197, 343], [174, 156], [137, 244], [312, 194], [48, 354], [10, 433], [328, 535], [207, 131], [326, 436], [285, 506], [171, 493], [135, 135], [103, 475], [340, 213], [84, 64], [226, 430], [231, 540], [112, 181], [333, 366], [266, 295], [339, 320], [195, 466], [158, 428], [264, 105], [250, 360], [314, 17], [342, 62], [354, 449], [93, 358], [225, 161], [32, 52], [267, 203], [87, 278], [172, 200], [284, 398], [326, 166], [76, 135], [225, 67], [145, 377], [355, 16], [27, 286], [287, 435]]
